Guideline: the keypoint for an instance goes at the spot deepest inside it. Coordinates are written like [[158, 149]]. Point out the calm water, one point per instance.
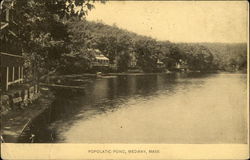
[[174, 108]]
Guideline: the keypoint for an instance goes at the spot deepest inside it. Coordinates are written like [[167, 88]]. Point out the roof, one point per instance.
[[97, 54], [101, 57]]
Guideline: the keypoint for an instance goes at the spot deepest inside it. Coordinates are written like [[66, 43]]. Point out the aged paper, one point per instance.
[[170, 110]]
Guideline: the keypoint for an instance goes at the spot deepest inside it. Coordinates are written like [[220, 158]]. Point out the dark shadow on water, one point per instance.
[[99, 96], [64, 105]]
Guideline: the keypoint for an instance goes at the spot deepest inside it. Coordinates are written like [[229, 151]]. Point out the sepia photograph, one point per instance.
[[142, 74]]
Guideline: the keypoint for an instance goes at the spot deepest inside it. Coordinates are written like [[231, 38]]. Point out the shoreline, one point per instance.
[[94, 75], [15, 122]]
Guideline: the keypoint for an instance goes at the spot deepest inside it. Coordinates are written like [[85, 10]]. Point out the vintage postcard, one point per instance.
[[86, 79]]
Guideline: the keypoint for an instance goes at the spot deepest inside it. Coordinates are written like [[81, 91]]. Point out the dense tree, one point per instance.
[[118, 45], [55, 37], [197, 57], [123, 62], [42, 31], [146, 54], [229, 57], [114, 43]]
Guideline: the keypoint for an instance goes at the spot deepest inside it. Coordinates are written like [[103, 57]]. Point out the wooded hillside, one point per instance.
[[119, 44], [54, 36]]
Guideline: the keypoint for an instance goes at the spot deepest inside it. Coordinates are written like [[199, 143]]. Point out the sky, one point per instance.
[[180, 21]]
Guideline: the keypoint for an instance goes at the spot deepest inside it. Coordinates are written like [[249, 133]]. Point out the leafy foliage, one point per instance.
[[55, 37], [43, 34], [144, 49], [229, 57], [121, 45], [198, 57]]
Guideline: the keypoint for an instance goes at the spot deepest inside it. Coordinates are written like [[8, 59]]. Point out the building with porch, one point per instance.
[[181, 65], [99, 61], [11, 61], [160, 64]]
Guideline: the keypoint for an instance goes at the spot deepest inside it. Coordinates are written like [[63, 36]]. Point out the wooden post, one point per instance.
[[13, 74], [22, 73], [19, 71], [7, 79], [7, 16]]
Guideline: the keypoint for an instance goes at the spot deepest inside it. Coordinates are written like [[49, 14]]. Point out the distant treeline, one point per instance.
[[229, 56], [118, 44]]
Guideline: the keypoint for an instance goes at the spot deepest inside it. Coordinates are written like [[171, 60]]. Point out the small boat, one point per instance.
[[99, 74]]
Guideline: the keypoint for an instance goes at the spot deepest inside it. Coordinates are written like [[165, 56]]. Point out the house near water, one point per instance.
[[160, 64], [10, 50], [99, 62], [15, 93], [181, 65]]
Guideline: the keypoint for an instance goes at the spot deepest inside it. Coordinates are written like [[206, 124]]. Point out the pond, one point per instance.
[[151, 108]]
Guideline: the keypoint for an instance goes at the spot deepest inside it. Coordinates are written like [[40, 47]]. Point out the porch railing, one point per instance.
[[11, 69]]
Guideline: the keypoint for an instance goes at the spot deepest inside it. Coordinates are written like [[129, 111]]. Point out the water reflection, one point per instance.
[[155, 108]]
